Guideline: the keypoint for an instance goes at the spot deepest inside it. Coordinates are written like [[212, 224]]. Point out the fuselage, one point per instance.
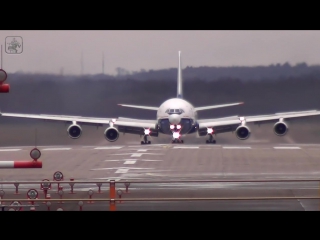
[[176, 115]]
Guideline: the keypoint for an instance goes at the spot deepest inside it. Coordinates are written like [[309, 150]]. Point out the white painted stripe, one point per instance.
[[236, 147], [123, 160], [6, 164], [122, 171], [113, 160], [129, 162], [56, 149], [115, 179], [286, 148], [133, 168], [100, 148], [136, 155], [153, 145], [147, 160], [98, 169], [185, 147], [119, 160], [7, 150]]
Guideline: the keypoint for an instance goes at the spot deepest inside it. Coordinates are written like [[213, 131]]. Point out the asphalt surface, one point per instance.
[[262, 157]]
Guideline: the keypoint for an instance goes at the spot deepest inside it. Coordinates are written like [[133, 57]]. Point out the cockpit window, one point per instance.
[[174, 111]]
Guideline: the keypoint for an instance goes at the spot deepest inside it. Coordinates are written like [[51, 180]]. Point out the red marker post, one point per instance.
[[99, 187], [4, 88], [119, 194], [1, 196], [34, 153], [32, 194], [45, 186], [60, 192], [20, 164], [58, 176], [16, 186], [16, 205], [80, 203], [48, 205], [127, 184], [90, 192], [71, 186]]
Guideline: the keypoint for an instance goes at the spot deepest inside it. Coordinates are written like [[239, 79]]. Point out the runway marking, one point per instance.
[[130, 162], [153, 145], [236, 147], [12, 149], [140, 150], [136, 154], [286, 147], [56, 149], [101, 148], [122, 171], [130, 159], [149, 160], [128, 168], [176, 147]]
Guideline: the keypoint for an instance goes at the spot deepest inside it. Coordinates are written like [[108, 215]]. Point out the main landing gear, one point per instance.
[[211, 140], [145, 140]]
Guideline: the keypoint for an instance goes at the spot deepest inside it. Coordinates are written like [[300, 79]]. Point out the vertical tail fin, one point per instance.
[[179, 89]]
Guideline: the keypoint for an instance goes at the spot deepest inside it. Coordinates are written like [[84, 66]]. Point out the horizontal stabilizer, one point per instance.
[[137, 106], [217, 106]]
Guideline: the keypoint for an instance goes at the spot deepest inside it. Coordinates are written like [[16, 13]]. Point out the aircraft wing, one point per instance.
[[216, 106], [229, 124], [137, 106], [63, 118], [136, 126]]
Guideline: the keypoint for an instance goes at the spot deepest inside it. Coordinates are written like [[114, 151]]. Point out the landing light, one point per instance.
[[210, 130], [178, 126], [176, 135], [171, 126], [146, 131]]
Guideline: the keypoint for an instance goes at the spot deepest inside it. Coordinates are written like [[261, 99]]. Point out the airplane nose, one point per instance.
[[174, 119]]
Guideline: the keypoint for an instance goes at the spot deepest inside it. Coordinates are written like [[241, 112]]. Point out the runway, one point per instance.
[[174, 162]]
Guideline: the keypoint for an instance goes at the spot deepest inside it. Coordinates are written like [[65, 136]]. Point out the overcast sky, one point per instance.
[[51, 51]]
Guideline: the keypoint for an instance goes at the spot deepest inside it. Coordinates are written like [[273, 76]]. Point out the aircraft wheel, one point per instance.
[[181, 141], [149, 142], [142, 142], [207, 141]]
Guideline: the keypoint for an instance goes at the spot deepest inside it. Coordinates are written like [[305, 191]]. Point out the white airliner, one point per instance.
[[176, 117]]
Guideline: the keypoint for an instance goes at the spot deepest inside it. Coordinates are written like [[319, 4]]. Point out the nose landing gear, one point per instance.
[[177, 141], [145, 140], [211, 140]]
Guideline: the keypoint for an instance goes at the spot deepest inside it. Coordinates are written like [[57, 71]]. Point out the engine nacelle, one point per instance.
[[280, 128], [111, 134], [74, 131], [243, 132]]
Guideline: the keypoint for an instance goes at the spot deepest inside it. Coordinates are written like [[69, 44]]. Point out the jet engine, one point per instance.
[[74, 131], [243, 132], [111, 134], [280, 128]]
